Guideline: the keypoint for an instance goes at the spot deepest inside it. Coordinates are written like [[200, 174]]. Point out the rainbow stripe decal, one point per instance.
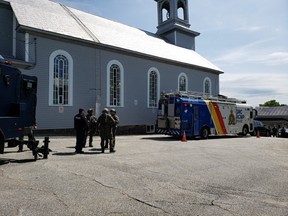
[[216, 117]]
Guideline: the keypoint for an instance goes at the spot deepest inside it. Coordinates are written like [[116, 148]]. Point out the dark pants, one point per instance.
[[29, 133], [112, 146], [80, 140], [90, 135], [105, 142], [106, 137]]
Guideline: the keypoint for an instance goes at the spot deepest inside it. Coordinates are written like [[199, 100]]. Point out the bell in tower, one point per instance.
[[173, 23]]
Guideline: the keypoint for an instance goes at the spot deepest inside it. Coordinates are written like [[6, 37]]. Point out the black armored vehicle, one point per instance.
[[17, 106]]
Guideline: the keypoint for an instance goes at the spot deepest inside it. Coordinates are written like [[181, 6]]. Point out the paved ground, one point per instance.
[[149, 175]]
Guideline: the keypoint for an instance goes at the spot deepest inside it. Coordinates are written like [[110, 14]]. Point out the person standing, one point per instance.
[[92, 121], [80, 126], [28, 131], [274, 131], [104, 126], [114, 127]]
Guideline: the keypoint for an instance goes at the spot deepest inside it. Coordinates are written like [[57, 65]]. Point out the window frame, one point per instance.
[[153, 69], [121, 97], [207, 79], [186, 82], [52, 57]]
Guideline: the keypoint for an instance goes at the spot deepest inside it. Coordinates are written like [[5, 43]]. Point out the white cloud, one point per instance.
[[250, 28], [278, 58], [257, 52], [254, 87]]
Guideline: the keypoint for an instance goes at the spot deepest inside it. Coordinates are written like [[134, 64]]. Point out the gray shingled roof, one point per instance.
[[279, 111], [51, 17]]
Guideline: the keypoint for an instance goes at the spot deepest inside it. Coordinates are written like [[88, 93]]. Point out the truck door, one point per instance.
[[195, 120], [186, 118]]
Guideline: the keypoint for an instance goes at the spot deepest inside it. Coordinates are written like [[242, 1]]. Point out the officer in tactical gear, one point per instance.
[[116, 119], [80, 126], [104, 125], [92, 121]]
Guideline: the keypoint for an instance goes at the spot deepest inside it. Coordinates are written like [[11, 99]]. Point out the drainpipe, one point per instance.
[[27, 47], [14, 37]]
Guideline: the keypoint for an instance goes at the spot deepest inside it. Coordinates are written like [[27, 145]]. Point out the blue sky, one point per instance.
[[247, 39]]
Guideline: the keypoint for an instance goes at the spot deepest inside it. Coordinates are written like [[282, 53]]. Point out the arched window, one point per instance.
[[153, 87], [115, 84], [207, 86], [182, 11], [182, 82], [165, 12], [60, 78]]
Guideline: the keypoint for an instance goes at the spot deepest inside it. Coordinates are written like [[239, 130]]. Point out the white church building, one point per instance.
[[86, 61]]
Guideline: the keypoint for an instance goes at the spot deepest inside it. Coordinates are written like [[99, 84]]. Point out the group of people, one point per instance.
[[88, 126]]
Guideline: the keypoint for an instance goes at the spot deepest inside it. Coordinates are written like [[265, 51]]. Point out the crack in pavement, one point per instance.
[[123, 193], [238, 191], [45, 191], [211, 204], [207, 204], [219, 206]]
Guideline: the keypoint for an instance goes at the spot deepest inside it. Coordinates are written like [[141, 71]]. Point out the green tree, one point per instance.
[[272, 103]]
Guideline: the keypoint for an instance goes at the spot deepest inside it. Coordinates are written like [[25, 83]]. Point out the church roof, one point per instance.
[[55, 18], [277, 111]]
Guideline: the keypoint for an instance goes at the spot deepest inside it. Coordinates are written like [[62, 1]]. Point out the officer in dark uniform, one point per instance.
[[116, 119], [104, 125], [92, 121], [80, 126]]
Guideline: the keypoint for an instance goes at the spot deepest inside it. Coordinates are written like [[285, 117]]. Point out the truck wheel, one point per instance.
[[245, 130], [268, 134], [12, 143], [2, 143], [205, 133]]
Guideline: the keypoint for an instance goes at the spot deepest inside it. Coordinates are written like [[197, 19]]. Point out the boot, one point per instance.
[[20, 148], [112, 151]]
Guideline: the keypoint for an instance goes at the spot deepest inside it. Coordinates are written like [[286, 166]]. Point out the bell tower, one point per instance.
[[173, 23]]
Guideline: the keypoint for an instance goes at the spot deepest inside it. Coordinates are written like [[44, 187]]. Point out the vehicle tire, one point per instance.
[[205, 133], [2, 143], [12, 143], [35, 153], [245, 130]]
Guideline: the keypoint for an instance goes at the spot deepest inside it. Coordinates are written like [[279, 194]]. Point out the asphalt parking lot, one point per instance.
[[149, 175]]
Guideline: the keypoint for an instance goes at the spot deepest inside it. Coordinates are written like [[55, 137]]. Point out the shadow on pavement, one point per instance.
[[161, 138], [6, 161], [172, 138], [90, 151]]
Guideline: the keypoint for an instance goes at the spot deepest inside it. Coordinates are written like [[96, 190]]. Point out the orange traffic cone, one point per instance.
[[258, 134], [184, 137]]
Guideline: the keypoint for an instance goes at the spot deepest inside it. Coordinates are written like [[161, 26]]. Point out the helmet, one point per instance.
[[90, 110], [105, 110], [112, 111]]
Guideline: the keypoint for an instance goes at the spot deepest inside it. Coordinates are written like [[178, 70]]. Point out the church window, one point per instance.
[[115, 84], [182, 82], [182, 11], [153, 88], [207, 86], [165, 11], [60, 78]]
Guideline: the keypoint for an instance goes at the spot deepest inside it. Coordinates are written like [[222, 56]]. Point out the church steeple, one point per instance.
[[173, 23]]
